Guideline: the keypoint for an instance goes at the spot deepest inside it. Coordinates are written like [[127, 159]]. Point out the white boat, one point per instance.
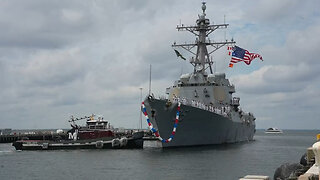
[[273, 131]]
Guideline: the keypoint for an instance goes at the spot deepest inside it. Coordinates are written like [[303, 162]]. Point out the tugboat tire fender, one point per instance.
[[99, 144], [123, 141], [45, 145], [115, 143]]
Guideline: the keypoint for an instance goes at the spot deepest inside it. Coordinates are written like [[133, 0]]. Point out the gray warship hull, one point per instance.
[[196, 126]]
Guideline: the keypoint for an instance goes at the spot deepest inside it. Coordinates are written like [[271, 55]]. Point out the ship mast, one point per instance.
[[202, 29]]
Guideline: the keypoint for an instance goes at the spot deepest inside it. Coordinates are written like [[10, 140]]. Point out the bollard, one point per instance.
[[316, 150]]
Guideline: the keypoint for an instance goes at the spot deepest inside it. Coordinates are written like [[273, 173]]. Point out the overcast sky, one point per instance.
[[62, 58]]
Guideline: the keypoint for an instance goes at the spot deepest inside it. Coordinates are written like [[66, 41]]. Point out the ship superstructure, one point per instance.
[[208, 113]]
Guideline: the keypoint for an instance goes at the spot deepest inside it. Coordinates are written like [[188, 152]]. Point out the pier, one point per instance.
[[37, 136]]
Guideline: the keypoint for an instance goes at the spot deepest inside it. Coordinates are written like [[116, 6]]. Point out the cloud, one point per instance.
[[39, 24], [273, 79]]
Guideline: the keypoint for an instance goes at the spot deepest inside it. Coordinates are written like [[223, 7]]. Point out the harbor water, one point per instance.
[[232, 161]]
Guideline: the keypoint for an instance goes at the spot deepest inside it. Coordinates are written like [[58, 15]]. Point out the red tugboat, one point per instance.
[[97, 134], [95, 128]]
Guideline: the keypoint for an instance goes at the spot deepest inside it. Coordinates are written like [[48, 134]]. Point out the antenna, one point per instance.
[[225, 31], [140, 122], [204, 7], [215, 66], [199, 49]]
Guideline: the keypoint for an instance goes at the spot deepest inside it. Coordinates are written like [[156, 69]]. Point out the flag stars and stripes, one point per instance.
[[239, 54]]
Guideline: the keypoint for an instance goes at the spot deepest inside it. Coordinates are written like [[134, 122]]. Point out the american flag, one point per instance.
[[239, 54]]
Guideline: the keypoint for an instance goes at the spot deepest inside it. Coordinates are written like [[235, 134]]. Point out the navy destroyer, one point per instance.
[[199, 108]]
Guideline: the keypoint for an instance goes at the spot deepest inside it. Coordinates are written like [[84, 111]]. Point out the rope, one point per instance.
[[156, 132]]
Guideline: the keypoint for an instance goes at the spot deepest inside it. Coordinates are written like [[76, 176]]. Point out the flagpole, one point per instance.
[[150, 81], [225, 31], [140, 122]]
